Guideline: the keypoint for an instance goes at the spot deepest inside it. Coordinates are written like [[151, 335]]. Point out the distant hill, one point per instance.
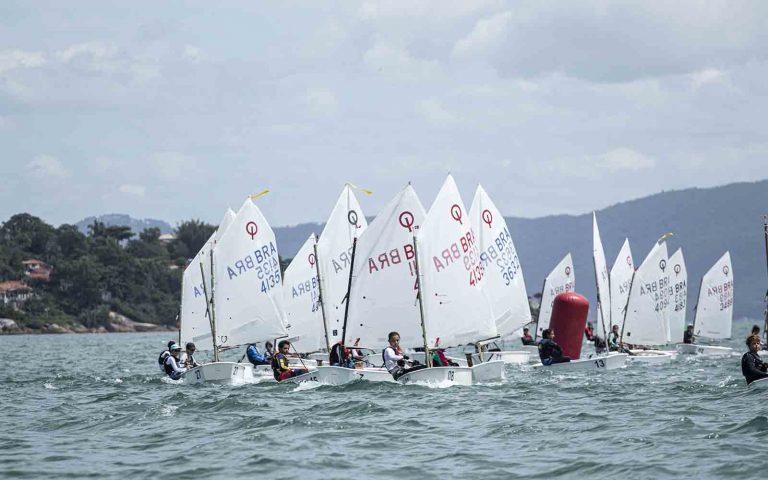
[[706, 222], [116, 219]]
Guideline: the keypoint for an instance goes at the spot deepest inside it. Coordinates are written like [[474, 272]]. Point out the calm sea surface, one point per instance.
[[76, 406]]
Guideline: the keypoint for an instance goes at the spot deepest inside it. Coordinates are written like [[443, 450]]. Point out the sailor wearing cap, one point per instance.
[[187, 358], [172, 368]]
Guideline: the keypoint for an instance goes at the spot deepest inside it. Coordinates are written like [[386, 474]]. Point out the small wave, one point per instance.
[[168, 410], [758, 424], [49, 386]]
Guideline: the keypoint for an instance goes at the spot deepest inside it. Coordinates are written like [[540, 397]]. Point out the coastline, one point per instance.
[[115, 323]]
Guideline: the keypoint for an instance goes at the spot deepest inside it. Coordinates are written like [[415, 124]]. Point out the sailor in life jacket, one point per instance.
[[752, 366], [549, 351], [395, 361], [172, 368], [256, 357], [187, 358], [340, 356], [164, 355], [280, 367]]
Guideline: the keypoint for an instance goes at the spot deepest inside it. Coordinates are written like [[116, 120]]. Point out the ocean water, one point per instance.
[[80, 406]]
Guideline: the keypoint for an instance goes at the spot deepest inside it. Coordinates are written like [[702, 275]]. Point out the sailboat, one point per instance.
[[602, 280], [453, 307], [196, 325], [313, 329], [244, 304], [503, 282], [646, 319], [714, 311]]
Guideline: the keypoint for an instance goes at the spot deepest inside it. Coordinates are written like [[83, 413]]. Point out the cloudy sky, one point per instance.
[[175, 110]]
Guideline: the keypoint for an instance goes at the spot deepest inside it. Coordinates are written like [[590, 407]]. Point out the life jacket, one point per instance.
[[255, 357], [168, 368], [338, 354], [275, 367], [162, 358]]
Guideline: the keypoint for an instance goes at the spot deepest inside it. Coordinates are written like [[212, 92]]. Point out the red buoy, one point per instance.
[[569, 318]]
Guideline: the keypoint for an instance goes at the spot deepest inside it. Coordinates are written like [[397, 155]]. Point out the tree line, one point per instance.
[[108, 269]]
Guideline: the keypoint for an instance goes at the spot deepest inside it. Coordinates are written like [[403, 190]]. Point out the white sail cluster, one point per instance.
[[442, 278]]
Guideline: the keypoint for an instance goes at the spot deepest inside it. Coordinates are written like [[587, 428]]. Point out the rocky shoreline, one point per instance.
[[116, 324]]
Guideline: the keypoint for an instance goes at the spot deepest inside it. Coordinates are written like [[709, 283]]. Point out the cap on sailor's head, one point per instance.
[[175, 347]]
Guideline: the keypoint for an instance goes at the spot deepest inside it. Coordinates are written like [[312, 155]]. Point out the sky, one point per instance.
[[179, 110]]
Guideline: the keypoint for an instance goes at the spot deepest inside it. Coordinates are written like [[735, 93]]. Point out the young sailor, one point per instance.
[[589, 332], [613, 339], [752, 367], [527, 338], [172, 368], [394, 361], [340, 356], [549, 351], [164, 355], [688, 335], [280, 367], [187, 359], [255, 357]]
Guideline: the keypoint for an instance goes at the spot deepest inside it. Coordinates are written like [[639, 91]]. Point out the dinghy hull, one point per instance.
[[510, 357], [703, 350], [492, 371], [594, 364], [442, 376], [341, 375], [229, 373], [651, 357]]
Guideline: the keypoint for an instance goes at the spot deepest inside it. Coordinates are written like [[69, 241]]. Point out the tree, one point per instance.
[[190, 238], [26, 233]]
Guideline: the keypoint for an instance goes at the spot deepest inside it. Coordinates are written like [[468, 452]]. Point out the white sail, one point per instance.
[[247, 281], [679, 299], [561, 279], [456, 310], [646, 320], [301, 293], [194, 325], [503, 282], [603, 305], [384, 292], [621, 279], [714, 312], [334, 251]]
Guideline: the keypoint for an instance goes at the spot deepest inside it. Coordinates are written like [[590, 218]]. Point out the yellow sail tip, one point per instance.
[[260, 194], [367, 192]]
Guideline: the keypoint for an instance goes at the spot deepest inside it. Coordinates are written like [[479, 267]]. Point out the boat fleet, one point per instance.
[[446, 278]]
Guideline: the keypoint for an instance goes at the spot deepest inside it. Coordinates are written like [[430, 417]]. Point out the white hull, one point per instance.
[[419, 357], [229, 373], [703, 350], [320, 358], [492, 371], [533, 353], [510, 357], [761, 384], [340, 375], [650, 357], [598, 364], [442, 376]]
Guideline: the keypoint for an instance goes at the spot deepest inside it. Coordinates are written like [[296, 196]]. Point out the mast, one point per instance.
[[322, 300], [209, 312], [538, 314], [349, 291], [419, 278]]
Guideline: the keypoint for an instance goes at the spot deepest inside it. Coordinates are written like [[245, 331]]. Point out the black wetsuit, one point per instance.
[[550, 352], [753, 368], [687, 336]]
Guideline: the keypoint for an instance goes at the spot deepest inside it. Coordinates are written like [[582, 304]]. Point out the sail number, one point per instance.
[[198, 375], [599, 363], [450, 375]]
